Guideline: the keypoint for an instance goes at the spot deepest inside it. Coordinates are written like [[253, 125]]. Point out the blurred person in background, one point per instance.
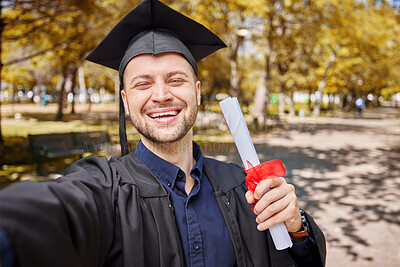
[[360, 104]]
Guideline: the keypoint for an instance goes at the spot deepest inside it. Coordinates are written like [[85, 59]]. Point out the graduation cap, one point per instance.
[[152, 28]]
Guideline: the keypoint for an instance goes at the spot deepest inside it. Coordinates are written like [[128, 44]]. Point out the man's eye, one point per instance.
[[142, 85], [176, 81]]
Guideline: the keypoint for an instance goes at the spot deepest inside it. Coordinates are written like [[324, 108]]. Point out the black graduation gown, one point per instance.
[[116, 213]]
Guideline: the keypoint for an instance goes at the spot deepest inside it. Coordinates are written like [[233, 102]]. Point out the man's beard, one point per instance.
[[155, 134]]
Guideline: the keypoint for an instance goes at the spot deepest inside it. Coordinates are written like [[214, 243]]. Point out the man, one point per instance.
[[164, 204], [360, 104]]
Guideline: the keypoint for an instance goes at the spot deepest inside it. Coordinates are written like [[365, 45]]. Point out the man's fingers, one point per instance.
[[273, 195], [266, 184], [250, 197], [271, 209], [277, 202], [277, 214], [274, 220]]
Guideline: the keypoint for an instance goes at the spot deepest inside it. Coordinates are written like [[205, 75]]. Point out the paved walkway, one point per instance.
[[347, 175]]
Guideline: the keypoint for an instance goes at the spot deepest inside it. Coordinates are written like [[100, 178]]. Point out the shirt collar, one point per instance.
[[164, 170]]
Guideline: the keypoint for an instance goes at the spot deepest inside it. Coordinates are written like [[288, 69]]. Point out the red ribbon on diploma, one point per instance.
[[266, 170]]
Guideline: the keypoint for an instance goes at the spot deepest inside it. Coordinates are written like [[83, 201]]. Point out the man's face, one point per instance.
[[161, 95]]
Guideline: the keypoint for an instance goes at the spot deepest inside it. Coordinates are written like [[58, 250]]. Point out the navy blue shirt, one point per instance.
[[204, 236], [6, 252]]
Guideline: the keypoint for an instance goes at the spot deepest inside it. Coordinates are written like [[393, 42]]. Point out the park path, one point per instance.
[[347, 175]]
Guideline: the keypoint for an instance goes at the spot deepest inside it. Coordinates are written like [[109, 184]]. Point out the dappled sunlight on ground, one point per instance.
[[347, 175], [346, 171]]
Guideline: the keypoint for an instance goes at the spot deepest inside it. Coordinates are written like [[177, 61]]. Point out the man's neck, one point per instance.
[[179, 153]]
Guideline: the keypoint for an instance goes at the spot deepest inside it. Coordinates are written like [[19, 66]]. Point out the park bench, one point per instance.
[[62, 145], [268, 121]]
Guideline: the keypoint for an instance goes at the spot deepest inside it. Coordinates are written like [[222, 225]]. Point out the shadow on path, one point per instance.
[[362, 184]]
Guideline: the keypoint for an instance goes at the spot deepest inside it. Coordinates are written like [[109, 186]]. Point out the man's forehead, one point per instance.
[[159, 57], [167, 63]]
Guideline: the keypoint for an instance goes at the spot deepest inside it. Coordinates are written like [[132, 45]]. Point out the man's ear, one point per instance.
[[198, 92], [124, 99]]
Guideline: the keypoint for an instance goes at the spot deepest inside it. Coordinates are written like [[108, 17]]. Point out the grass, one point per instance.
[[43, 127]]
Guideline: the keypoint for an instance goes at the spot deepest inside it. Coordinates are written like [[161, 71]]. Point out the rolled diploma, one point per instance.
[[237, 125]]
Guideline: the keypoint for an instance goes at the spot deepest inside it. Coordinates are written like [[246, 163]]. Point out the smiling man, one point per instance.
[[164, 204], [161, 99]]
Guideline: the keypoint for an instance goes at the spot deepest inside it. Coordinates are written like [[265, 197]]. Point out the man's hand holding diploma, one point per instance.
[[277, 202], [280, 205]]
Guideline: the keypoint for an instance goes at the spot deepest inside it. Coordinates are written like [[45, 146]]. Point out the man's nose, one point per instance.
[[161, 93]]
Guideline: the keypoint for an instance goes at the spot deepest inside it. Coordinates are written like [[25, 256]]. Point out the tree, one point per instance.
[[25, 22], [366, 58], [69, 30]]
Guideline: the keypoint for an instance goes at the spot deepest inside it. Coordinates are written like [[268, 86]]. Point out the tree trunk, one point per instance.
[[82, 84], [330, 100], [70, 87], [1, 65], [342, 99], [318, 94], [260, 96], [321, 86], [349, 100], [292, 112], [1, 134], [12, 94], [281, 104], [260, 101], [73, 99], [379, 95], [61, 92], [90, 103], [39, 78], [234, 77]]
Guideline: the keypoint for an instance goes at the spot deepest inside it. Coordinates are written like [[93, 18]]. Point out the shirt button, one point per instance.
[[196, 246], [169, 184]]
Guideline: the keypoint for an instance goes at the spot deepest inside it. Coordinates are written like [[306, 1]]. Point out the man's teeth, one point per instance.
[[162, 114]]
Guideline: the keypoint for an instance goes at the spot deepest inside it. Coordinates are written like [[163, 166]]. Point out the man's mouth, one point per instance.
[[165, 114]]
